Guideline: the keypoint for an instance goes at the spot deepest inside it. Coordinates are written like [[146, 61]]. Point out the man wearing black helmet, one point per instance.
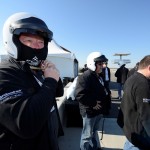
[[91, 94], [29, 118]]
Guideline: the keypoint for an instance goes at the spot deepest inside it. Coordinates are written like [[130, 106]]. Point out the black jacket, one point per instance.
[[25, 107], [121, 74], [135, 111], [88, 91]]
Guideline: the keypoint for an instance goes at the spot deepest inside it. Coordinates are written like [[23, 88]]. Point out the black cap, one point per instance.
[[102, 58]]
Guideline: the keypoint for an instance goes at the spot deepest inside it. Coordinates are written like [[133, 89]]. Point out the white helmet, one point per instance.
[[93, 58], [22, 23]]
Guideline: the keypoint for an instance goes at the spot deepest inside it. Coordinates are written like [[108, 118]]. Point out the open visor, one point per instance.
[[31, 25], [35, 32]]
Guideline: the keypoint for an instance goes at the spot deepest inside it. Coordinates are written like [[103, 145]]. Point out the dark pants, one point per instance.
[[108, 98]]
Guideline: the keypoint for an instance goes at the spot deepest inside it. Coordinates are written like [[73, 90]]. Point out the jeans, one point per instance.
[[120, 87], [88, 135], [129, 146]]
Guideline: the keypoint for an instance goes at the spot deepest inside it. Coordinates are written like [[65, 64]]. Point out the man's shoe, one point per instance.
[[119, 98]]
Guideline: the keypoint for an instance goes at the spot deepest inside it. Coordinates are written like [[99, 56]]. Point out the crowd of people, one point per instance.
[[29, 117], [133, 93]]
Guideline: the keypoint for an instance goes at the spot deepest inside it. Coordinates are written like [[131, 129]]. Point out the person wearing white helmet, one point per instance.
[[29, 117], [90, 93]]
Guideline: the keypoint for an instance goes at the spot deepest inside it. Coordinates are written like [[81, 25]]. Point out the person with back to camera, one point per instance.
[[121, 75], [135, 108], [29, 118], [91, 94]]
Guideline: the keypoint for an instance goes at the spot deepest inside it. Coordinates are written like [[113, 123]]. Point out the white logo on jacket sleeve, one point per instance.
[[146, 100], [10, 95]]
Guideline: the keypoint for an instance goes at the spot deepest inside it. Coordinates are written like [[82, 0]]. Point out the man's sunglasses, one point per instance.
[[105, 63], [100, 64]]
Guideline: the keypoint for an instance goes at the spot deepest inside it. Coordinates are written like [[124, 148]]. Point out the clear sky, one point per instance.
[[84, 26]]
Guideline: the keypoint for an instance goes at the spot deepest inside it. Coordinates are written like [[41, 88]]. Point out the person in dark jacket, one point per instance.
[[29, 118], [135, 108], [121, 75], [91, 94]]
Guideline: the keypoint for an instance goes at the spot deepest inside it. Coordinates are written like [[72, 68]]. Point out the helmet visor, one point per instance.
[[35, 32], [31, 25]]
